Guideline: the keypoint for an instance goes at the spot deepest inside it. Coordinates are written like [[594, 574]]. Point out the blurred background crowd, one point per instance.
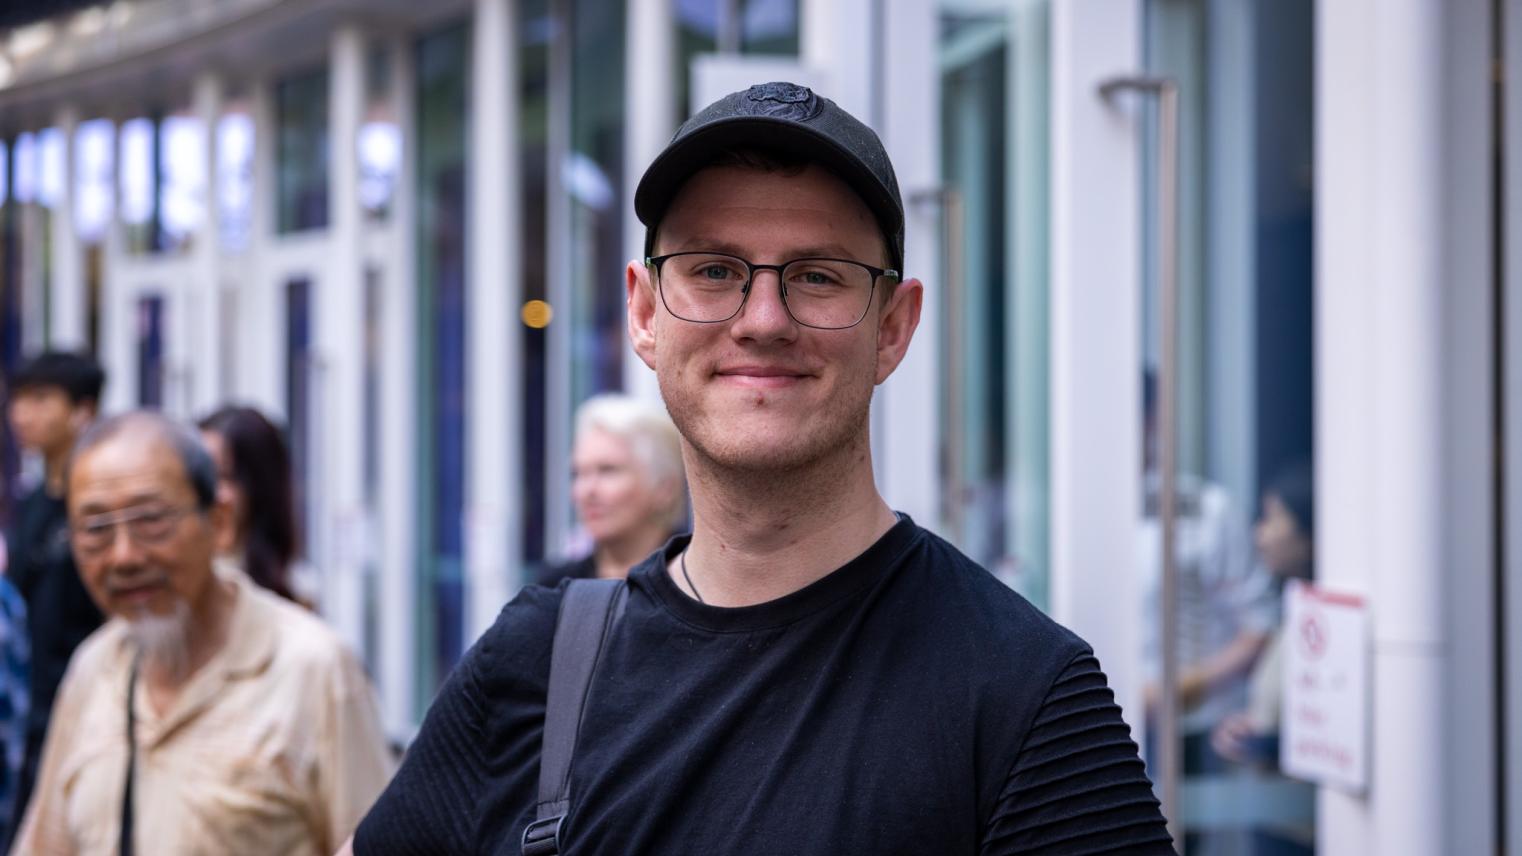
[[373, 252]]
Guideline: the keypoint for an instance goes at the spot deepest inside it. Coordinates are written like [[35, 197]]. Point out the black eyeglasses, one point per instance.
[[145, 525], [706, 288]]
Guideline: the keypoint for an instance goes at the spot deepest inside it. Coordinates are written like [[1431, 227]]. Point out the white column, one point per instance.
[[118, 322], [339, 405], [650, 113], [204, 290], [1400, 341], [494, 336], [398, 411], [1095, 385], [904, 429], [70, 306]]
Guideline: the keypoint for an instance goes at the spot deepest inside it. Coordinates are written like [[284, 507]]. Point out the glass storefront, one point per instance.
[[1243, 407], [301, 152], [993, 359], [443, 64], [534, 29]]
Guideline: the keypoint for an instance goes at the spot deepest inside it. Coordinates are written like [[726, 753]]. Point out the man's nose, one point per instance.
[[764, 315], [123, 549]]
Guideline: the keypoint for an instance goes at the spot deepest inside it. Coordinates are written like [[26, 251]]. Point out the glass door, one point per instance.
[[1224, 364], [993, 360]]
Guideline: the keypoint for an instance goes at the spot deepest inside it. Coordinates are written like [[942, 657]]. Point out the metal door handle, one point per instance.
[[1167, 740]]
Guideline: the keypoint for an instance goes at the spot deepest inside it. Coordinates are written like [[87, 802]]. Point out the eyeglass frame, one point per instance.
[[751, 268], [114, 520]]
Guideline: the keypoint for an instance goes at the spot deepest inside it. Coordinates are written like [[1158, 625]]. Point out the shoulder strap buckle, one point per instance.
[[542, 837]]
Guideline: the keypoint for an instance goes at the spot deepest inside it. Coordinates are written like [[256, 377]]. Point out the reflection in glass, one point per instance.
[[1245, 384], [995, 356], [25, 175], [182, 188], [379, 145], [94, 167], [235, 179], [136, 178], [300, 372], [533, 76], [593, 178], [50, 167], [150, 352], [443, 64], [301, 152]]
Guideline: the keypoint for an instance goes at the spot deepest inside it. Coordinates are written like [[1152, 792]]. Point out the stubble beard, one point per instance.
[[162, 640], [829, 443]]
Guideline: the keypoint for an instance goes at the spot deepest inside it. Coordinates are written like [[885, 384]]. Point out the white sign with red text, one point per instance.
[[1324, 731]]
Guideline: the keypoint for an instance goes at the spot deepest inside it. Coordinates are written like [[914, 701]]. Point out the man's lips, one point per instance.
[[762, 377]]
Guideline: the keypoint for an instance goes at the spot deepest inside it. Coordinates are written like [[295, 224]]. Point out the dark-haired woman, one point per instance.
[[254, 476]]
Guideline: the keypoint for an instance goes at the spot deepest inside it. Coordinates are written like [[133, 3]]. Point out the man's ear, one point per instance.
[[896, 324], [642, 301]]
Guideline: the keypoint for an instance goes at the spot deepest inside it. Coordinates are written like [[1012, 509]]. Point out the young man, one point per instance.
[[209, 714], [54, 397], [809, 672]]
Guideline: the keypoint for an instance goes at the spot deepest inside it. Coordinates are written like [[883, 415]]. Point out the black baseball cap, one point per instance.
[[782, 117]]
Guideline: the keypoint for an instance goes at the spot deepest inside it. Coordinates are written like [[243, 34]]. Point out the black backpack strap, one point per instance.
[[588, 612]]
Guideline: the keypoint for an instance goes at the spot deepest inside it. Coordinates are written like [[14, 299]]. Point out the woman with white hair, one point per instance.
[[627, 484]]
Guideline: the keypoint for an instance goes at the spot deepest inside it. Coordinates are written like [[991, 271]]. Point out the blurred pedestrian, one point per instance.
[[1285, 538], [627, 484], [809, 672], [15, 695], [54, 397], [208, 715], [254, 476]]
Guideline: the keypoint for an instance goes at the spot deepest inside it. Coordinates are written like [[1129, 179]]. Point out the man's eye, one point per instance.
[[715, 272]]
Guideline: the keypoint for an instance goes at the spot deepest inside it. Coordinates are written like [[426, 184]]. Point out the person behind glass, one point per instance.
[[627, 483], [207, 715], [254, 476], [1285, 538], [54, 397]]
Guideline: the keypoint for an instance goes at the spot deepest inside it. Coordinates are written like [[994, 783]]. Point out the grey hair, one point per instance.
[[200, 469], [649, 432]]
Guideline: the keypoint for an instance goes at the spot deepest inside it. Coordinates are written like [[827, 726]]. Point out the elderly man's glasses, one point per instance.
[[828, 294], [145, 525]]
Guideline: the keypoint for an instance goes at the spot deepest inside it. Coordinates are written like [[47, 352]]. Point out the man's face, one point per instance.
[[46, 420], [760, 391], [152, 565]]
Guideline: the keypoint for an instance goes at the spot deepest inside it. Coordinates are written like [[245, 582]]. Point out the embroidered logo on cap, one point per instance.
[[781, 101]]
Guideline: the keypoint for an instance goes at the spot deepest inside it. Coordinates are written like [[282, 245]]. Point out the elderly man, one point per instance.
[[207, 716], [809, 672]]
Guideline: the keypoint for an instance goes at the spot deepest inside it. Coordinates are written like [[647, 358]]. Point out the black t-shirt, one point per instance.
[[908, 703], [60, 612]]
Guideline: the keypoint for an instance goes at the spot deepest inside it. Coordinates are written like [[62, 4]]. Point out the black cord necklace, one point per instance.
[[688, 578]]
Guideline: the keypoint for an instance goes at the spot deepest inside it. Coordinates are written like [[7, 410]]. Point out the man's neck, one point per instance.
[[759, 536], [55, 470]]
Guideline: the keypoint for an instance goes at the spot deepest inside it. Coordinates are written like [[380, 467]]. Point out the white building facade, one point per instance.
[[400, 229]]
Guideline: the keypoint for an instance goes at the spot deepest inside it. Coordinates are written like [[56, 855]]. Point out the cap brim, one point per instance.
[[671, 169]]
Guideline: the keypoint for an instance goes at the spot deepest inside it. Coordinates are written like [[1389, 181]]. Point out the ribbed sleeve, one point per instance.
[[1078, 785], [429, 807]]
